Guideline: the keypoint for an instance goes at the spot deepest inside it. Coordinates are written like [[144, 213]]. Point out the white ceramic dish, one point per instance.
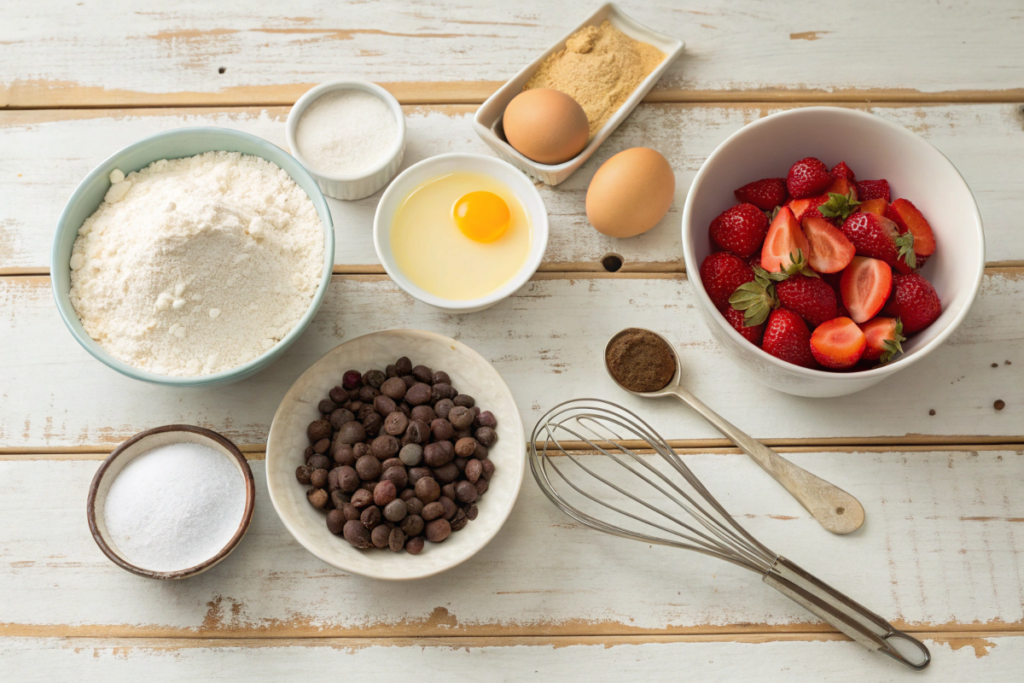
[[147, 441], [419, 173], [873, 148], [360, 185], [471, 374], [487, 121]]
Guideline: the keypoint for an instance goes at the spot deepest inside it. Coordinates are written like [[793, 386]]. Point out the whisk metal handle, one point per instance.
[[852, 618], [832, 507]]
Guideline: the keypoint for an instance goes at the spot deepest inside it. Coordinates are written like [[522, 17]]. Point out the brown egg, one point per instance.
[[546, 125], [630, 193]]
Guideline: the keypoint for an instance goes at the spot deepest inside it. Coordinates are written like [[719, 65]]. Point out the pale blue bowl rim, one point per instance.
[[272, 153]]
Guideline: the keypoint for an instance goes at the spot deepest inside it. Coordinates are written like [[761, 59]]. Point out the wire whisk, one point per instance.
[[630, 482]]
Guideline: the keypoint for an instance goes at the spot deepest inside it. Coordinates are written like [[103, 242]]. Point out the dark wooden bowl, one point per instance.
[[136, 446]]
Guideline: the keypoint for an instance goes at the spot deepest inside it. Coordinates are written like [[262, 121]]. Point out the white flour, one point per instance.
[[346, 132], [174, 507], [198, 265]]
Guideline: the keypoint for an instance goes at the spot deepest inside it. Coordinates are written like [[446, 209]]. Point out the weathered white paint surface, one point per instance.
[[119, 45], [546, 341], [943, 546], [44, 160], [87, 660]]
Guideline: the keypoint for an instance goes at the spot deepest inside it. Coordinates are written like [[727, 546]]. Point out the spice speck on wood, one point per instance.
[[999, 404]]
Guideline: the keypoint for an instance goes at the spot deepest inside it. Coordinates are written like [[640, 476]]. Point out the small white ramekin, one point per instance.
[[360, 185], [442, 164]]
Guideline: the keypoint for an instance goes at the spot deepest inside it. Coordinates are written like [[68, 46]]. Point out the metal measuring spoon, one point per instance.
[[834, 508]]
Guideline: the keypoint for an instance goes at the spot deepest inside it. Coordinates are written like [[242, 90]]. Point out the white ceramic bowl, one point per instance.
[[146, 441], [487, 120], [873, 148], [471, 374], [358, 185], [416, 175]]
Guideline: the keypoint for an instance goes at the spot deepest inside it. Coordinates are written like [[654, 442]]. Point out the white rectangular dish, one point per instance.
[[487, 121]]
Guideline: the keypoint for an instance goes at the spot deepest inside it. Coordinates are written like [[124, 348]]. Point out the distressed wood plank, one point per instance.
[[268, 56], [47, 153], [443, 660], [941, 551], [546, 342]]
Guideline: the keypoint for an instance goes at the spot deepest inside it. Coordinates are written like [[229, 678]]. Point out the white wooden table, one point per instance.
[[941, 553]]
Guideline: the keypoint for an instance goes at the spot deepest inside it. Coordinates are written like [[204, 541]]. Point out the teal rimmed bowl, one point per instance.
[[176, 144]]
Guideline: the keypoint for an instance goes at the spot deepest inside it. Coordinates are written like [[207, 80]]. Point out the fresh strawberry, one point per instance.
[[755, 260], [843, 186], [873, 189], [883, 339], [765, 194], [841, 170], [865, 287], [757, 299], [876, 206], [810, 297], [831, 251], [786, 337], [785, 246], [802, 208], [876, 236], [840, 205], [908, 218], [721, 274], [752, 334], [807, 178], [914, 301], [739, 229], [838, 343]]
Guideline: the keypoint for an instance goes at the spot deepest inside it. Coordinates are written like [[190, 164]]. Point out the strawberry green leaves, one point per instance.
[[839, 206], [757, 299]]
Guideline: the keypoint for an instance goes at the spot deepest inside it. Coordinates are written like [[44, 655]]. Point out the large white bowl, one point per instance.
[[428, 169], [471, 374], [873, 148]]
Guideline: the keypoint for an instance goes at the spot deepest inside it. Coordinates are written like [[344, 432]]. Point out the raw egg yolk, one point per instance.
[[481, 216]]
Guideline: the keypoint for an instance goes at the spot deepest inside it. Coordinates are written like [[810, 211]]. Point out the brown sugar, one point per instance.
[[600, 68], [640, 360]]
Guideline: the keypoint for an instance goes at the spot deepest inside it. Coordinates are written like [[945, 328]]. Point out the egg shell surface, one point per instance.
[[630, 193], [546, 125]]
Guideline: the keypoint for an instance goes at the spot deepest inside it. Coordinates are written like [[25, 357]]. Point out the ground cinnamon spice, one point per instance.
[[640, 360], [600, 68]]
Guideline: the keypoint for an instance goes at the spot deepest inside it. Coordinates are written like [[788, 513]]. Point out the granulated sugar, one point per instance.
[[174, 506], [194, 266], [346, 132]]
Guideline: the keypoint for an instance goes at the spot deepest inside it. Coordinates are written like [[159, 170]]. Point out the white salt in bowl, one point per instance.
[[357, 185], [471, 374], [144, 442]]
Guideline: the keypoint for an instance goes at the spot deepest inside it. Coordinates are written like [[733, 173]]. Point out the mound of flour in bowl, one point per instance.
[[194, 266]]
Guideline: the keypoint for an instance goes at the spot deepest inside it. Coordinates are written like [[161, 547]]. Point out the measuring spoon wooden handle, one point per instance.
[[834, 508]]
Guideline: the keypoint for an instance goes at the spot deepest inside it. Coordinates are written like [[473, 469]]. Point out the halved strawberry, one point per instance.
[[841, 170], [877, 237], [875, 206], [865, 287], [873, 189], [721, 273], [831, 251], [809, 297], [739, 229], [802, 208], [786, 337], [752, 334], [807, 178], [908, 218], [914, 302], [838, 343], [765, 194], [785, 244], [843, 186], [883, 339]]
